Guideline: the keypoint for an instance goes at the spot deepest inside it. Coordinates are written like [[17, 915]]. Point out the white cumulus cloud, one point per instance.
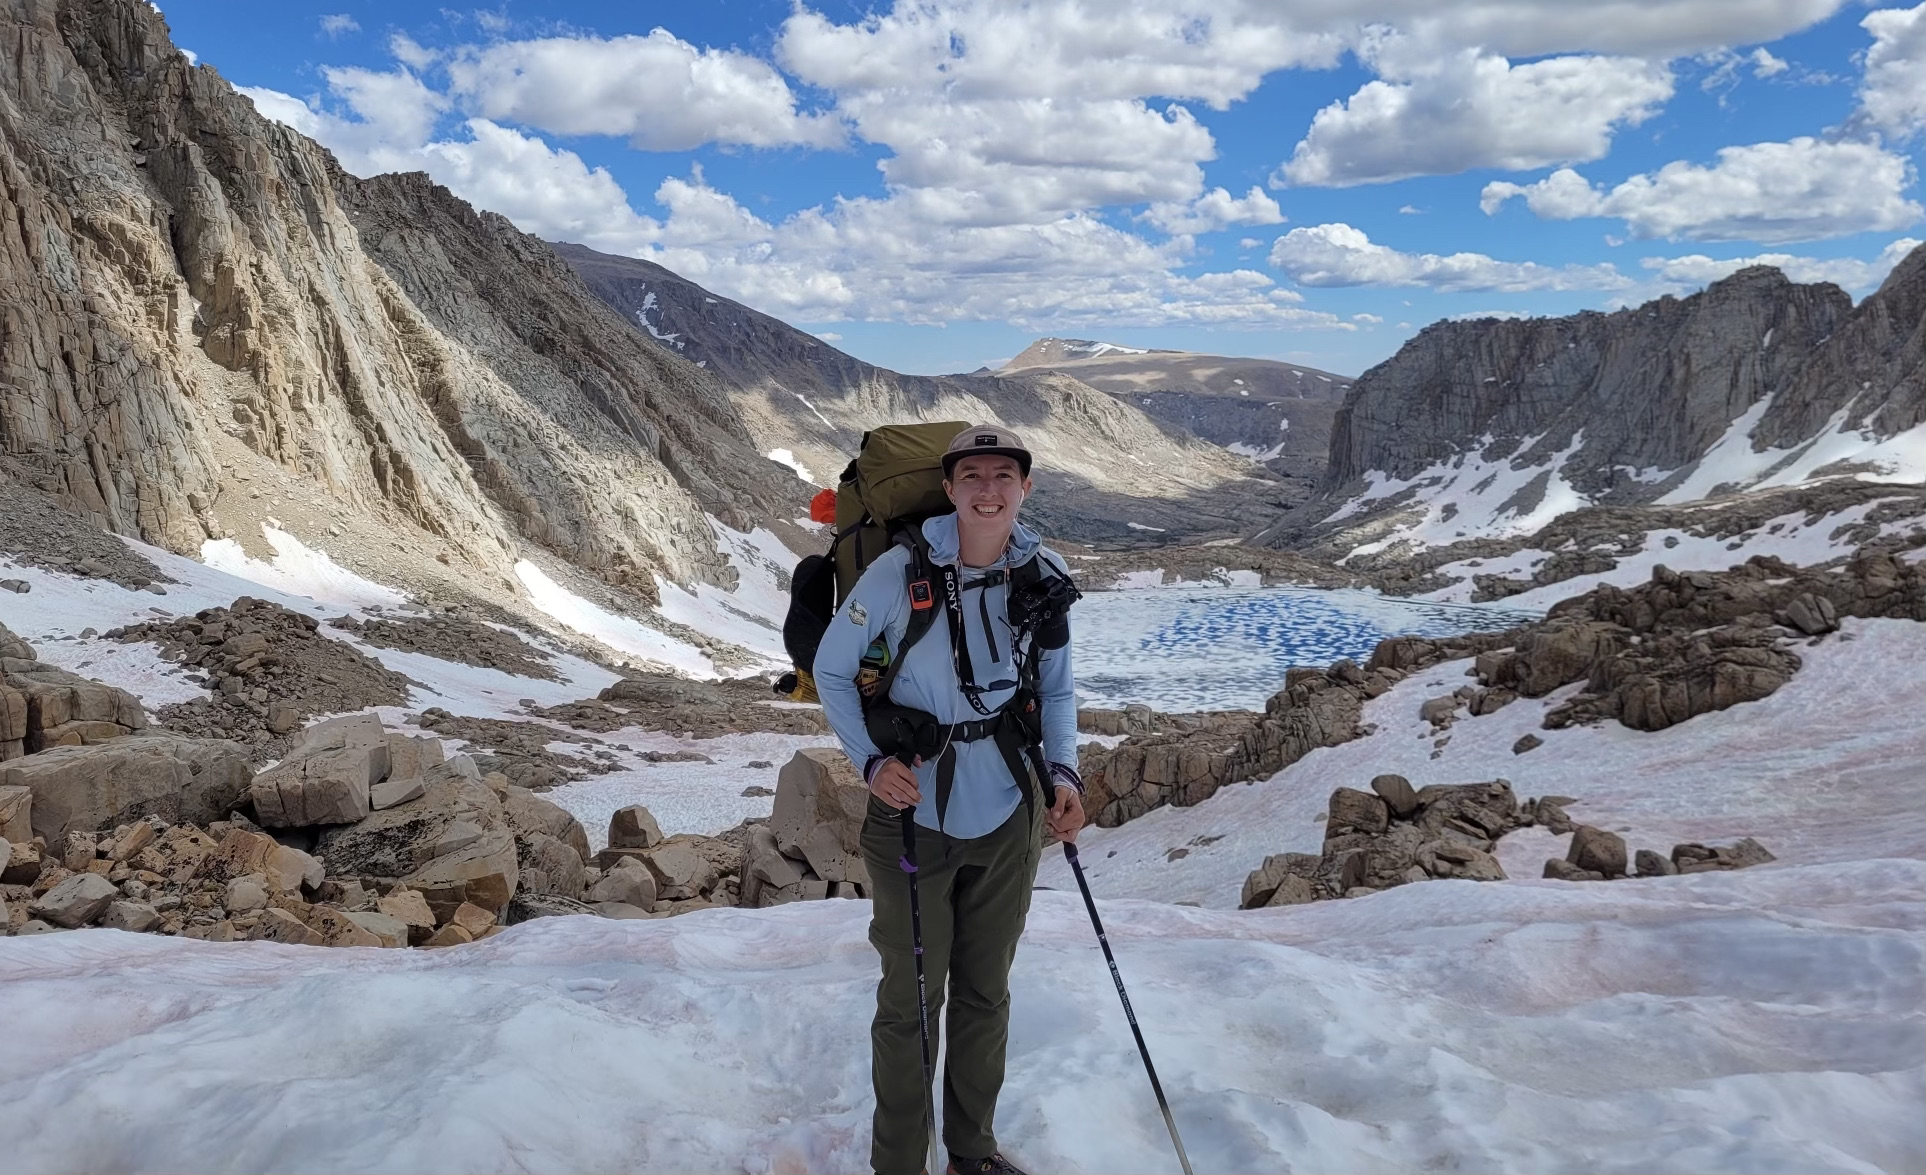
[[1431, 115], [660, 92], [1214, 210], [1892, 95], [1800, 190], [1340, 255]]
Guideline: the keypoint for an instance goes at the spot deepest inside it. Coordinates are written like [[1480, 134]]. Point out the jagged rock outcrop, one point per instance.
[[799, 393], [1619, 409], [190, 283]]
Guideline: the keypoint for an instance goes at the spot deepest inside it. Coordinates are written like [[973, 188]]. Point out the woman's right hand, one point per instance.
[[895, 784]]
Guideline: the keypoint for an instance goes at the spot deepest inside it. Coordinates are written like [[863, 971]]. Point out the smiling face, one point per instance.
[[987, 490]]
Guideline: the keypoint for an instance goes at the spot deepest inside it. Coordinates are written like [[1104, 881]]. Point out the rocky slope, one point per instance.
[[200, 298], [1754, 380], [1276, 413], [1102, 463]]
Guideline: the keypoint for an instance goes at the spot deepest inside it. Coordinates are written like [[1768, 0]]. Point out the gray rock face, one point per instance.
[[1626, 394], [1649, 387], [378, 339], [76, 901]]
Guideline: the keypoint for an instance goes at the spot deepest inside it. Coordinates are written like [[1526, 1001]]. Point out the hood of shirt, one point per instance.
[[946, 545]]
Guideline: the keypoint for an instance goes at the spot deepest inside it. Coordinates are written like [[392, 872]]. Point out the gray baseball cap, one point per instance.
[[986, 440]]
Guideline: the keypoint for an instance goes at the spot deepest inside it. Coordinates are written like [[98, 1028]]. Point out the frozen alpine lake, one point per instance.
[[1213, 648]]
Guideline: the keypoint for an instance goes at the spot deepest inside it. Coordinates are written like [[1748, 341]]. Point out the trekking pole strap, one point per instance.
[[1143, 1050]]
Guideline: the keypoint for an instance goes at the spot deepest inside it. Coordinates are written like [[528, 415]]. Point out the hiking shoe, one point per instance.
[[994, 1165]]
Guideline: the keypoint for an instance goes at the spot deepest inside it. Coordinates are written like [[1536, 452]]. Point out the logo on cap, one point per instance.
[[987, 438]]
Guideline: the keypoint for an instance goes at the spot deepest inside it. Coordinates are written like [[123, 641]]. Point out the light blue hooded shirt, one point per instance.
[[982, 795]]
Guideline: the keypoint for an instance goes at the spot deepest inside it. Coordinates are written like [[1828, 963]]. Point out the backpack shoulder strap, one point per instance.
[[917, 576]]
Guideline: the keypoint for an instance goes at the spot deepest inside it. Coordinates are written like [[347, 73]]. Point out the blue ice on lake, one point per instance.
[[1210, 648]]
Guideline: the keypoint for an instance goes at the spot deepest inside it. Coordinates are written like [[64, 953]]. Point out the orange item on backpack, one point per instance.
[[822, 507]]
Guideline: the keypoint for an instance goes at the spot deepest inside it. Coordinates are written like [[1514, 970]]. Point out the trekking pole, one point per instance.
[[908, 817], [1090, 904]]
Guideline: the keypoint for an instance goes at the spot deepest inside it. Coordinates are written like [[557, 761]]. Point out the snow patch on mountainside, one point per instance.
[[1472, 497], [299, 570], [1733, 461], [1790, 537], [624, 634]]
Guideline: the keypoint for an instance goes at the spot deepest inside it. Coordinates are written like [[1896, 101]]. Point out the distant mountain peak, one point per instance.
[[1045, 352]]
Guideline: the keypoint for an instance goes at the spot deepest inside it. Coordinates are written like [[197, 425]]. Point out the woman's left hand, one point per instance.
[[1066, 815]]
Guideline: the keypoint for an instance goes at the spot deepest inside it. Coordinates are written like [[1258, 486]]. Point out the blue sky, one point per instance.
[[934, 184]]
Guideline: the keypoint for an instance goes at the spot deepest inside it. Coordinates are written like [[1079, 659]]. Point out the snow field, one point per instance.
[[1816, 772], [1447, 1025]]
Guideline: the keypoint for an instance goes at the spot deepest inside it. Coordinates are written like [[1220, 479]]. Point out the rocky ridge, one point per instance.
[[798, 393], [203, 296], [1276, 413], [1623, 406]]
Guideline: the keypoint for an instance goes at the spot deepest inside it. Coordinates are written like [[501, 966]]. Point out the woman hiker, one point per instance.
[[978, 806]]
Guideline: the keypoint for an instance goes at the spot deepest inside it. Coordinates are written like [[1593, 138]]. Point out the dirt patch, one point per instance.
[[268, 670], [37, 532], [452, 638], [520, 750], [698, 709]]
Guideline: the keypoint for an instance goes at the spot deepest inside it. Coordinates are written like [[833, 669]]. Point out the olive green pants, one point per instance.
[[974, 896]]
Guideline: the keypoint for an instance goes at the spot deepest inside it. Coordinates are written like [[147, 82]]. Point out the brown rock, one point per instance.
[[1597, 851], [630, 883], [411, 757], [76, 901], [1292, 891], [485, 872], [388, 931], [472, 918], [319, 786], [680, 871], [23, 864], [278, 925], [16, 814], [138, 837], [1353, 810], [1397, 793], [634, 827], [1559, 870], [449, 936], [338, 928], [1530, 742], [1650, 864], [409, 908], [85, 789]]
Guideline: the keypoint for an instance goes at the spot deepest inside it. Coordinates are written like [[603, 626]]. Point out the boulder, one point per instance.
[[634, 827], [348, 730], [1352, 810], [246, 893], [450, 935], [630, 883], [410, 757], [75, 901], [1529, 742], [484, 873], [409, 908], [525, 907], [1397, 793], [549, 865], [286, 869], [528, 813], [680, 871], [136, 917], [279, 925], [1595, 850], [472, 918], [1293, 891], [387, 930], [818, 789], [390, 792], [396, 841], [1647, 863], [1561, 870], [90, 788], [23, 864], [328, 786], [16, 814]]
